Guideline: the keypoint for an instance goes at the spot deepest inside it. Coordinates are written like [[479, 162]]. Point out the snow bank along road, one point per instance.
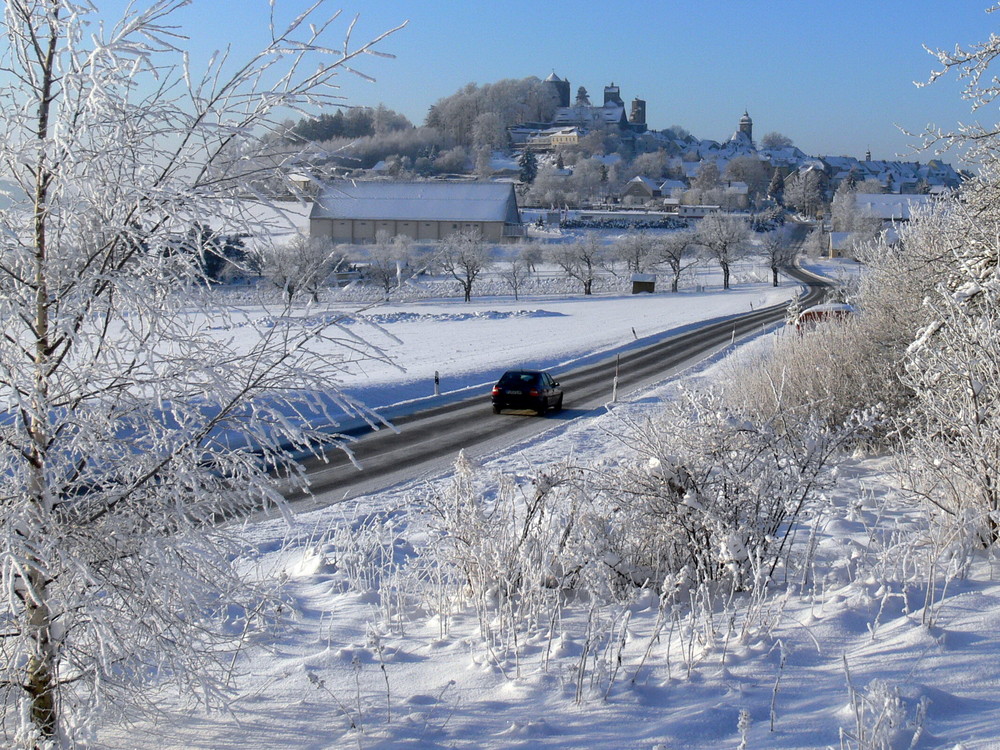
[[430, 439]]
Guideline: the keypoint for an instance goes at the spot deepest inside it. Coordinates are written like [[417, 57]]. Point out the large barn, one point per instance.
[[355, 212]]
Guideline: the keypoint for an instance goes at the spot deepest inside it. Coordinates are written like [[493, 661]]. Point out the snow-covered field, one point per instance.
[[868, 646], [470, 345]]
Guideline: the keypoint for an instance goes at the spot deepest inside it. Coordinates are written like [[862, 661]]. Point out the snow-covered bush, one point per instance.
[[507, 549], [844, 366], [710, 495], [880, 718], [953, 367]]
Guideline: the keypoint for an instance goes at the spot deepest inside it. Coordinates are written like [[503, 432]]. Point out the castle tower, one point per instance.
[[638, 116], [612, 94], [561, 87], [746, 125]]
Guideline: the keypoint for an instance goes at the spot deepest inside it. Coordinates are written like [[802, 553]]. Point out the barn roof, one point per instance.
[[417, 201]]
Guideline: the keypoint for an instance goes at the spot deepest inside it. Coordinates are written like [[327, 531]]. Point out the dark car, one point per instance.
[[527, 389]]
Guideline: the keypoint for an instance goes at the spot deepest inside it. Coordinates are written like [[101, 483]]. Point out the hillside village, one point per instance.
[[689, 155], [598, 157], [633, 162]]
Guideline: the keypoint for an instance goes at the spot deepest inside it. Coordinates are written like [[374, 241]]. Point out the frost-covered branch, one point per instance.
[[137, 412]]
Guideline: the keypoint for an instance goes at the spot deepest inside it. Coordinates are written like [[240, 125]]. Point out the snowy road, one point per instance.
[[428, 441]]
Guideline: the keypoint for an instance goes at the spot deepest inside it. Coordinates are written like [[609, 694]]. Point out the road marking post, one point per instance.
[[614, 387]]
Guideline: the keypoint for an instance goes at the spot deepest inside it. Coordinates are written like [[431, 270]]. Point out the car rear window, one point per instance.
[[519, 378]]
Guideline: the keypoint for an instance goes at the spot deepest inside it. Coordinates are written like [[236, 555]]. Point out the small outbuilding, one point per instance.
[[356, 211], [643, 283]]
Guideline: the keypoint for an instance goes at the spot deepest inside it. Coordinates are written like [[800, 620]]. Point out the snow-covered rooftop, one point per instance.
[[416, 201], [889, 206]]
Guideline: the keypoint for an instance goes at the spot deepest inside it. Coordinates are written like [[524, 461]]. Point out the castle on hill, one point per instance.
[[574, 119], [583, 114]]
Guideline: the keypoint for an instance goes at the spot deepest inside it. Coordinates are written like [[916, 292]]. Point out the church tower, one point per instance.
[[746, 125]]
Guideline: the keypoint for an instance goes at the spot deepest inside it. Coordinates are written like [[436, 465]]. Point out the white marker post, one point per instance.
[[437, 383], [614, 387]]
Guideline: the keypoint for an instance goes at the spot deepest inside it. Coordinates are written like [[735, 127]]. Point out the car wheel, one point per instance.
[[496, 408], [543, 406], [559, 403]]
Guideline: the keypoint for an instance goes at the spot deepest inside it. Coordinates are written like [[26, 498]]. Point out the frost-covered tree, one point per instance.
[[634, 250], [511, 101], [654, 164], [707, 177], [755, 172], [707, 494], [676, 251], [725, 239], [778, 251], [776, 188], [220, 256], [804, 191], [484, 163], [300, 266], [954, 363], [465, 256], [515, 274], [847, 216], [389, 260], [130, 426], [971, 65], [775, 140], [581, 260]]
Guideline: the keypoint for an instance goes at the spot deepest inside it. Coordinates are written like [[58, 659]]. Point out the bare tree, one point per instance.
[[300, 266], [129, 427], [725, 238], [634, 250], [676, 251], [515, 273], [775, 140], [389, 260], [804, 191], [531, 255], [464, 256], [779, 251], [707, 177], [581, 260]]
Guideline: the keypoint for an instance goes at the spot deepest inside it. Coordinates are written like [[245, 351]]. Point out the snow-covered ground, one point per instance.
[[470, 345], [849, 656]]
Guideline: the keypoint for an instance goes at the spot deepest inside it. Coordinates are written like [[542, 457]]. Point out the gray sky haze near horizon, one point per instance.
[[837, 78]]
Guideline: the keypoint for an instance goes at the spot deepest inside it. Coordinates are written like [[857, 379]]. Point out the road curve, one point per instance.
[[429, 440]]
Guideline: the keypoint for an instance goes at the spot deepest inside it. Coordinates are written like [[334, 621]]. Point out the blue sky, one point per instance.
[[837, 77]]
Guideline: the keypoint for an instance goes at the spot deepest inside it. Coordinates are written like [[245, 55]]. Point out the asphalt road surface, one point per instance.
[[427, 442]]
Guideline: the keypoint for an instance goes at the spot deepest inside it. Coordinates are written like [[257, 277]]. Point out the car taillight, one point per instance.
[[496, 390], [533, 392]]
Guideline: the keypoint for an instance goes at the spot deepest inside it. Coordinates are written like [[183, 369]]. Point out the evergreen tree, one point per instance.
[[529, 167]]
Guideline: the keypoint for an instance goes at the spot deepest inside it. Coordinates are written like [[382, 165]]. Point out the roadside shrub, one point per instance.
[[708, 494], [841, 367]]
